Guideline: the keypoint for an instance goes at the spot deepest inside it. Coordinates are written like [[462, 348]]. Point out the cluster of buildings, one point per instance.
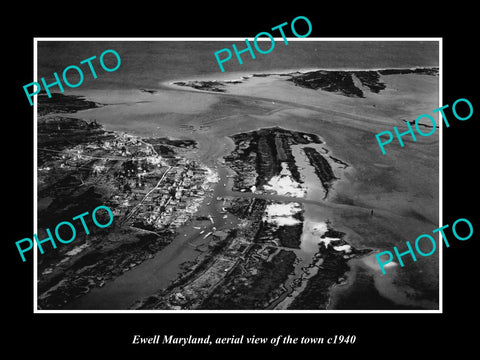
[[128, 145], [177, 199], [148, 191], [156, 195]]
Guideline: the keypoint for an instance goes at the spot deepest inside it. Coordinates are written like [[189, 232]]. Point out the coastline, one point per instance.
[[245, 75], [264, 113], [106, 176]]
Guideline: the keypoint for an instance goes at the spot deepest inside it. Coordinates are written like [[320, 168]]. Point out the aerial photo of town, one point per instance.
[[262, 188]]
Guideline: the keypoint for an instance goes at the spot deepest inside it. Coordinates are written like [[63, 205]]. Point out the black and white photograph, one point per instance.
[[262, 187], [218, 180]]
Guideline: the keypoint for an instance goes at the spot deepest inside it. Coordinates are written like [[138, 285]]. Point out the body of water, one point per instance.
[[144, 64], [209, 119]]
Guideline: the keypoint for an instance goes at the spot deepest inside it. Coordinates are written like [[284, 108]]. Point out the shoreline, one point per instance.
[[281, 113], [239, 75], [268, 238], [103, 162]]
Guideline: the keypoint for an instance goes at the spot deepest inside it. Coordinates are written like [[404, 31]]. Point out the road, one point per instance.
[[141, 201]]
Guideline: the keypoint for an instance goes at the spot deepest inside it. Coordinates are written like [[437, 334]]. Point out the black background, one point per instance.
[[60, 335]]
